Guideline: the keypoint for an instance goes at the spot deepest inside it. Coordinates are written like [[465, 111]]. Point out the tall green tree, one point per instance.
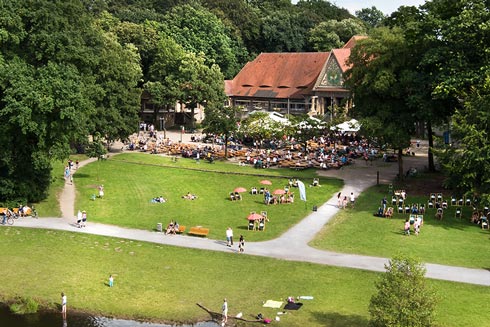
[[221, 120], [242, 20], [332, 34], [62, 78], [372, 17], [198, 30], [403, 298], [465, 161], [282, 32], [378, 81]]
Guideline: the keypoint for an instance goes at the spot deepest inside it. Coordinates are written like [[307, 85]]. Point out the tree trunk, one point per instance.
[[400, 164], [430, 155], [226, 146]]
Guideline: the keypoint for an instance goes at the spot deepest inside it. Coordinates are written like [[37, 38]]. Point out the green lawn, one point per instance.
[[452, 241], [164, 283], [132, 180], [50, 207]]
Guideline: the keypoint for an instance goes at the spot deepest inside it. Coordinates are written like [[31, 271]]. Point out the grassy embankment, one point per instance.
[[164, 283]]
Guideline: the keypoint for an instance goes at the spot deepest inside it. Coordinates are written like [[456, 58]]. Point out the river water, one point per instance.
[[53, 319]]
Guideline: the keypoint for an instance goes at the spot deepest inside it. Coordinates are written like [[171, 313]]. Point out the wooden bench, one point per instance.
[[200, 231]]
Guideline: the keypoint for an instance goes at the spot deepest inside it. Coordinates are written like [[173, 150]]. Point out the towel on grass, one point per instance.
[[306, 297], [292, 306], [272, 304]]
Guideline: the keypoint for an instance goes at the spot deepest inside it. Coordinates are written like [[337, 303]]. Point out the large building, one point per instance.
[[293, 83]]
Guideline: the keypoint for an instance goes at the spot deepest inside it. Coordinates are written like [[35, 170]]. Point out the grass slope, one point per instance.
[[452, 241], [163, 283], [131, 181]]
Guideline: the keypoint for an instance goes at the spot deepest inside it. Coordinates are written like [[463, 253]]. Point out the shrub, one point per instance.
[[24, 306]]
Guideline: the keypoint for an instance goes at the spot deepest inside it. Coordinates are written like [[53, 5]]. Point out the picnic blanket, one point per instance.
[[273, 304], [306, 297], [292, 306]]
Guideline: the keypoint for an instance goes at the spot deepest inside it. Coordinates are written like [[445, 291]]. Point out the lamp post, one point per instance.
[[162, 126], [331, 109]]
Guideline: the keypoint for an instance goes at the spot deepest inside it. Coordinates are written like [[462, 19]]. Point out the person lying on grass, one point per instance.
[[189, 196]]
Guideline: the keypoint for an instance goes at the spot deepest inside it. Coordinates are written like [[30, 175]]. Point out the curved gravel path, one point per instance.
[[292, 245]]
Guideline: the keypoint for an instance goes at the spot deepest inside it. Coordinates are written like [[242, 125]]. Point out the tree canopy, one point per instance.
[[403, 298], [62, 78]]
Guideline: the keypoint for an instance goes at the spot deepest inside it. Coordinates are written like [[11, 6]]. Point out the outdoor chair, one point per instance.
[[412, 219], [484, 223], [458, 213], [262, 225], [407, 208], [422, 208], [238, 196], [232, 196], [454, 201], [264, 214], [262, 190], [468, 202], [393, 200], [251, 225], [400, 209], [460, 202], [431, 204], [439, 197], [432, 197]]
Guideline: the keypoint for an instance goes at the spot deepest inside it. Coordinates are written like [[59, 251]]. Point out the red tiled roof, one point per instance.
[[228, 87], [342, 56], [278, 75], [353, 41]]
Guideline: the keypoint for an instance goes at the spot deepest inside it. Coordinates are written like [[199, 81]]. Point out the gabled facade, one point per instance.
[[292, 83]]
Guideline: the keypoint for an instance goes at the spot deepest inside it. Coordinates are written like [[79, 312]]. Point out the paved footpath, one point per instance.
[[292, 245]]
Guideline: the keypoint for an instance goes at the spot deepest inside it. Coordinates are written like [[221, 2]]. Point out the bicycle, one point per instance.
[[34, 213], [7, 219], [12, 214]]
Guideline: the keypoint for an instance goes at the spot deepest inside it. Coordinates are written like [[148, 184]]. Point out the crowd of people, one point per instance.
[[332, 150]]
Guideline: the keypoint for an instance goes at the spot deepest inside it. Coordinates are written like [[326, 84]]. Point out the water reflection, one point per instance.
[[53, 319]]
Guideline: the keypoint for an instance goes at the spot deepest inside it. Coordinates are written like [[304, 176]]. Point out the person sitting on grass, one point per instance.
[[189, 196], [475, 217], [439, 214], [407, 227], [389, 212], [379, 213]]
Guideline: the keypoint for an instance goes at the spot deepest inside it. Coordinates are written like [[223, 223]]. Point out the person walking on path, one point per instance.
[[352, 199], [111, 281], [84, 218], [224, 312], [241, 244], [339, 200], [67, 173], [79, 219], [229, 237], [63, 305]]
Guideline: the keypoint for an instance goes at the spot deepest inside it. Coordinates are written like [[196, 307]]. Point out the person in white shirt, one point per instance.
[[352, 199]]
